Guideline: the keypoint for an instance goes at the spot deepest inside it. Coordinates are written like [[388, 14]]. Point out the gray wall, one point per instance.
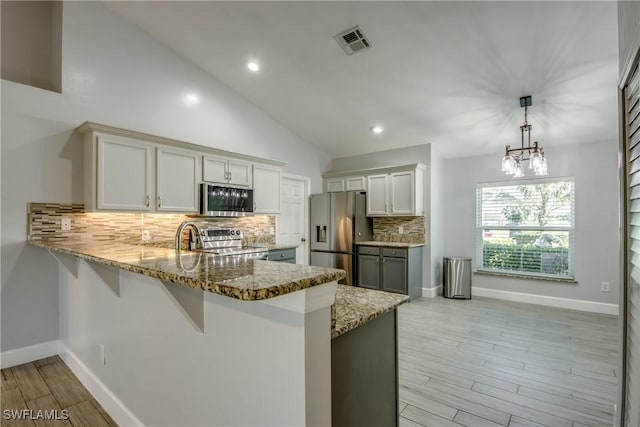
[[628, 32], [115, 74], [595, 170], [437, 216]]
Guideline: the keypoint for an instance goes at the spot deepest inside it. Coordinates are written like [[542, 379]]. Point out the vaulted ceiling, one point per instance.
[[447, 73]]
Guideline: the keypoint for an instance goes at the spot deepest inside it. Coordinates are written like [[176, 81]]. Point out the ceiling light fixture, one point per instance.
[[253, 66], [513, 158], [377, 129]]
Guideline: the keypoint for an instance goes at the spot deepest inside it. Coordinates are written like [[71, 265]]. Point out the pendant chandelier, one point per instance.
[[514, 157]]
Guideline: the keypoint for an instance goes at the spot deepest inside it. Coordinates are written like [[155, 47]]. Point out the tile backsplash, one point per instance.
[[385, 229], [44, 224]]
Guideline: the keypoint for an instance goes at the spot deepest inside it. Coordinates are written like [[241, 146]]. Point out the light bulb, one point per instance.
[[253, 66], [535, 160], [508, 164], [543, 166], [518, 171]]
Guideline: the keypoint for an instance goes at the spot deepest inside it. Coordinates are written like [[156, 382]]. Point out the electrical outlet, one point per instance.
[[102, 356], [65, 223], [146, 236], [400, 230], [604, 287]]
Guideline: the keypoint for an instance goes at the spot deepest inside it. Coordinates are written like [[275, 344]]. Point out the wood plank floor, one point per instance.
[[46, 387], [485, 362]]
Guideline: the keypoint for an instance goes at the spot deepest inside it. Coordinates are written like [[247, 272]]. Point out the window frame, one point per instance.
[[519, 273]]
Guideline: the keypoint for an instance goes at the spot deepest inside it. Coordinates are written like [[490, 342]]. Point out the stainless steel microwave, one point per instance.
[[220, 200]]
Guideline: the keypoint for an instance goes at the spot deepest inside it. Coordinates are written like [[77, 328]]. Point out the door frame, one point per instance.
[[307, 190], [621, 410]]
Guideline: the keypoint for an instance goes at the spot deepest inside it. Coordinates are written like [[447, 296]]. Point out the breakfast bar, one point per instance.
[[148, 324]]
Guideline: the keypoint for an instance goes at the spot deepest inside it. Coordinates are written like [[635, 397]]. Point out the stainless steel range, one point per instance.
[[225, 242]]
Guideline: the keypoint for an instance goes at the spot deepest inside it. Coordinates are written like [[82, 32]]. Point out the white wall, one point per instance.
[[115, 74], [594, 167]]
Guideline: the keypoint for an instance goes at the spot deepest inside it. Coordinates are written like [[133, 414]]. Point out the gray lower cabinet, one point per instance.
[[391, 269], [364, 375], [283, 255]]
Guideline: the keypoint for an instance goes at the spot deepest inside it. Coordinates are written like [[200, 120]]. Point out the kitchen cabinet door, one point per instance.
[[402, 193], [124, 174], [240, 173], [355, 183], [266, 189], [377, 195], [214, 169], [332, 185], [369, 271], [178, 174], [227, 171], [394, 275]]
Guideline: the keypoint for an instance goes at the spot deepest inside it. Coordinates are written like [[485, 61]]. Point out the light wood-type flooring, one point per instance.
[[48, 386], [485, 362]]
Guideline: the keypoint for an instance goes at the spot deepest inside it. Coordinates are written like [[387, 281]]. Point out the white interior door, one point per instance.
[[293, 225]]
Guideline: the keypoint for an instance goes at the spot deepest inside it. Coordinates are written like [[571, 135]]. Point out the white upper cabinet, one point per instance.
[[377, 196], [398, 193], [123, 178], [402, 190], [348, 183], [356, 183], [178, 176], [227, 171], [332, 185], [131, 171], [266, 189]]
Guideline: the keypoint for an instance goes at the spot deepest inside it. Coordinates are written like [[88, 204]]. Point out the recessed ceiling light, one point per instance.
[[191, 98], [253, 66], [377, 129]]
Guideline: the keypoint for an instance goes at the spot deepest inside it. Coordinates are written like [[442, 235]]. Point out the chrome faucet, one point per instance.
[[181, 227]]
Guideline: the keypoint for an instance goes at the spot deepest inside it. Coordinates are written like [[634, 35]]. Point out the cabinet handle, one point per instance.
[[281, 255], [159, 201], [229, 176], [146, 201], [255, 206]]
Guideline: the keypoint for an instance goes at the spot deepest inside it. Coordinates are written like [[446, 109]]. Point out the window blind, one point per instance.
[[526, 227], [631, 413]]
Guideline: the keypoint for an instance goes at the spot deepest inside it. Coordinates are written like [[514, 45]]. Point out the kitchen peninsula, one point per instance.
[[156, 328]]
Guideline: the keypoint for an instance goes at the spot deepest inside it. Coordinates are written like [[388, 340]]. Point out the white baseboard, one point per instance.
[[109, 401], [28, 354], [572, 304], [432, 292]]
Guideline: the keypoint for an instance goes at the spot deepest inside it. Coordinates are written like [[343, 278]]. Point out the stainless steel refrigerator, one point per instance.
[[338, 221]]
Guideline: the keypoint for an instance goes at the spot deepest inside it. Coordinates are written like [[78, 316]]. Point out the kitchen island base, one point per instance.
[[248, 363], [364, 375]]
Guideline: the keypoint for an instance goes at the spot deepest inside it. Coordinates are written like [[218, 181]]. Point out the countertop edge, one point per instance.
[[283, 288], [392, 302], [390, 244]]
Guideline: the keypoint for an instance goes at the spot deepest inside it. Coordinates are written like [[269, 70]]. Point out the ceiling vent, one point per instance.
[[352, 40]]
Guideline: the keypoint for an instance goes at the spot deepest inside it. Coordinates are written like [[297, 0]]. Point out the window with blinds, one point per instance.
[[526, 228]]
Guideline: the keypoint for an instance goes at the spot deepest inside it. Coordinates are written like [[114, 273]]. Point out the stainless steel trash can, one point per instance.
[[456, 277]]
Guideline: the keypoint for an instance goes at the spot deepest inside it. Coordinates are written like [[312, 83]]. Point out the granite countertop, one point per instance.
[[244, 280], [390, 244], [356, 306], [273, 247]]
